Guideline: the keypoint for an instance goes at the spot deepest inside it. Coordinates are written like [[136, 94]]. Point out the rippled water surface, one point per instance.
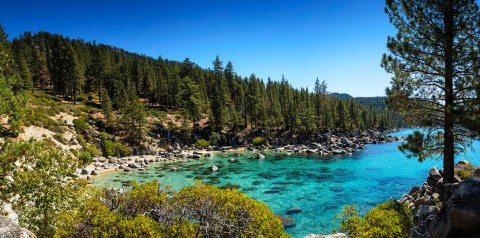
[[320, 186]]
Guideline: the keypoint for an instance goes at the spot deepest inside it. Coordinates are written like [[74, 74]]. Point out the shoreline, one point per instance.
[[331, 143]]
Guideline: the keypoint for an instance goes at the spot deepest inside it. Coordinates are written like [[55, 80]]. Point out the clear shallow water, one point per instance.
[[320, 186]]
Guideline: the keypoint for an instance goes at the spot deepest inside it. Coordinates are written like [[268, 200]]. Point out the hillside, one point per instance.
[[213, 100]]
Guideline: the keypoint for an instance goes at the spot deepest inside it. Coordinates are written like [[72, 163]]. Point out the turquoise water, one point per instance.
[[320, 186]]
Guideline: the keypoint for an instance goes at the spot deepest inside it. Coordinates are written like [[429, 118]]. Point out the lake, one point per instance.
[[319, 185]]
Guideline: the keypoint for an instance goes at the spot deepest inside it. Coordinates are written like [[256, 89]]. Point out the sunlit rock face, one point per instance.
[[10, 229]]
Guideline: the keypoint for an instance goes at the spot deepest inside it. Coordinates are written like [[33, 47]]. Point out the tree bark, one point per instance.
[[448, 153]]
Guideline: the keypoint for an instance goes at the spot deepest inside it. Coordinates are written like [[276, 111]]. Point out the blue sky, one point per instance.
[[340, 41]]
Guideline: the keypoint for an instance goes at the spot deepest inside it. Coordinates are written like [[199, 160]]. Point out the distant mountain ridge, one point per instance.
[[341, 95], [377, 102]]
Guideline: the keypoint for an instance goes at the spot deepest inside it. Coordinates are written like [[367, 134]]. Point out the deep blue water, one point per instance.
[[320, 186]]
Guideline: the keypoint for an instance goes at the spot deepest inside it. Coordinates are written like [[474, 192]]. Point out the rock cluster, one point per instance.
[[459, 215], [445, 210], [430, 193], [329, 143]]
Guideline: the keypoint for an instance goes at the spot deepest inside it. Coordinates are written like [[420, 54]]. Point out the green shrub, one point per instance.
[[80, 124], [257, 141], [74, 152], [464, 174], [35, 117], [214, 138], [85, 157], [389, 219], [93, 150], [116, 149], [42, 196], [59, 137], [203, 143], [227, 213], [151, 210]]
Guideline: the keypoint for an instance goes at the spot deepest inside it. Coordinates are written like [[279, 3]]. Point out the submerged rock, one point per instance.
[[287, 222], [230, 186], [293, 210], [214, 168], [338, 235]]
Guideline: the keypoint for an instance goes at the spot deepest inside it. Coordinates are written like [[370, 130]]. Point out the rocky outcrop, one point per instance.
[[459, 215], [430, 193], [10, 229]]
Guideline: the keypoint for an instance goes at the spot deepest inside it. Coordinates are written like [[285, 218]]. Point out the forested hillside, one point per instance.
[[122, 81]]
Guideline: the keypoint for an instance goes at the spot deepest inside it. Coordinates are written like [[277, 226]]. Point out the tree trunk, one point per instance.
[[448, 153]]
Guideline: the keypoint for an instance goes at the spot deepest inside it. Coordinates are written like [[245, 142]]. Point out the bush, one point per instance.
[[389, 219], [85, 157], [116, 149], [59, 137], [93, 150], [150, 210], [257, 141], [203, 143], [35, 117], [109, 213], [214, 138], [227, 213], [41, 194], [80, 124]]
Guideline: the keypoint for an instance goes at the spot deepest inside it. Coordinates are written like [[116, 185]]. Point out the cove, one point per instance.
[[319, 185]]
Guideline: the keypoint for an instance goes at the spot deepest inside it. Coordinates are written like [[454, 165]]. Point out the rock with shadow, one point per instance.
[[287, 222]]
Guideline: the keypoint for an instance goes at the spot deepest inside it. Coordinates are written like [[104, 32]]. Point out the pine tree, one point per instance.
[[435, 60], [218, 95], [191, 101], [106, 106], [74, 74]]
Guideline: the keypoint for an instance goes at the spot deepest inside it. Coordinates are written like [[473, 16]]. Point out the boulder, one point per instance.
[[338, 152], [406, 198], [460, 214], [10, 229], [315, 146], [287, 222], [9, 179], [214, 168], [94, 172], [84, 171], [413, 190], [293, 210], [345, 141], [433, 176], [260, 156], [476, 173], [135, 165]]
